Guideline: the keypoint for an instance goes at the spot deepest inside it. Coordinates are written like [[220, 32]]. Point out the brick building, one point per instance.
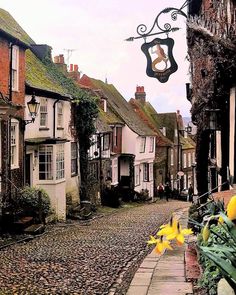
[[13, 43]]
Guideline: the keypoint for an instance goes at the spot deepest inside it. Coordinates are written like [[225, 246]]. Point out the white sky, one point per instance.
[[96, 30]]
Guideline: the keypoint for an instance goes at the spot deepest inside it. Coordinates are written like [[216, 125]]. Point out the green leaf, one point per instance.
[[225, 266]]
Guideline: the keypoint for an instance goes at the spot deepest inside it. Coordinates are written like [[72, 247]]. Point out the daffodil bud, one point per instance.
[[221, 220], [206, 233], [231, 208]]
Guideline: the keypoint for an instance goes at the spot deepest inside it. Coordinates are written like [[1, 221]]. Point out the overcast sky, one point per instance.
[[95, 30]]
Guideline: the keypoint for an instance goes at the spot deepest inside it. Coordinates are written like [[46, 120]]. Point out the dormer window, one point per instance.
[[163, 130], [15, 68], [103, 104]]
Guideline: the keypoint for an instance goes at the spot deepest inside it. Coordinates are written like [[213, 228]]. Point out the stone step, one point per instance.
[[35, 229]]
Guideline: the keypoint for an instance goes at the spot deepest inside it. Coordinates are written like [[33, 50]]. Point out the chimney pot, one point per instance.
[[71, 67], [56, 59], [76, 68], [61, 58]]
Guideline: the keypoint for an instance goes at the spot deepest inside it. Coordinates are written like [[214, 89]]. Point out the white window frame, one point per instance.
[[43, 109], [106, 142], [189, 160], [74, 158], [171, 157], [146, 172], [15, 68], [151, 147], [59, 114], [142, 144], [115, 139], [60, 161], [137, 175], [14, 144], [53, 162], [47, 152], [114, 171], [185, 160], [150, 171]]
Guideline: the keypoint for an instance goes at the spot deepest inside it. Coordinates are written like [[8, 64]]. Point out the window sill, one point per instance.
[[51, 182], [15, 167], [43, 128]]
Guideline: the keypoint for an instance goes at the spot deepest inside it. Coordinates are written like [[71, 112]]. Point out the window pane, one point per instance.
[[60, 164], [43, 113], [74, 158], [45, 162]]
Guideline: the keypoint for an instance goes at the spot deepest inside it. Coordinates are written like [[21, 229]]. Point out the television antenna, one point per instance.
[[68, 54]]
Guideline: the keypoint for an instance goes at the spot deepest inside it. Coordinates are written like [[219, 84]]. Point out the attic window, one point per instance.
[[163, 130]]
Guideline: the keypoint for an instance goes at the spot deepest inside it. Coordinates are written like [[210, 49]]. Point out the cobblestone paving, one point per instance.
[[95, 258]]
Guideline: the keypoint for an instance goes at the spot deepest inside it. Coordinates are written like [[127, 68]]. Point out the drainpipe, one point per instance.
[[54, 117], [9, 126]]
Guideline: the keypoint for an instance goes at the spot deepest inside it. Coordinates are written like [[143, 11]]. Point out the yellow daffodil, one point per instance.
[[162, 245], [169, 228], [206, 233], [153, 240], [179, 234], [231, 208]]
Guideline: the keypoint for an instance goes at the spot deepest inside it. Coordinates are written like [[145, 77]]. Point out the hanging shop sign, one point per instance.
[[160, 60]]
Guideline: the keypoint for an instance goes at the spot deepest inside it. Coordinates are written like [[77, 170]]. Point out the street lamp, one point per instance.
[[33, 107]]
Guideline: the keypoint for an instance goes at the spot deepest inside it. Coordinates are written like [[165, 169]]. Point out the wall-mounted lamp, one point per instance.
[[188, 129], [33, 107]]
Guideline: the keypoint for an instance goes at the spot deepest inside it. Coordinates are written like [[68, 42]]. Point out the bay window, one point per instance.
[[46, 162]]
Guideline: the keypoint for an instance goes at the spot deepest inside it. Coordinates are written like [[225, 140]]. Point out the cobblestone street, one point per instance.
[[98, 257]]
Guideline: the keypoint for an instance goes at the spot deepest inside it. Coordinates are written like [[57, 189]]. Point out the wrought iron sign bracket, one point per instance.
[[160, 62]]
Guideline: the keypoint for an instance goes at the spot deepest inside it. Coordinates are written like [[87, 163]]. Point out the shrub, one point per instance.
[[28, 201]]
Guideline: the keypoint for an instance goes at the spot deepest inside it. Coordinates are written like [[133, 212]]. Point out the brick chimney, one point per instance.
[[60, 63], [140, 94], [74, 73]]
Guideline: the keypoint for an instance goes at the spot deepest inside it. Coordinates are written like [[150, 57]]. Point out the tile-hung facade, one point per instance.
[[13, 44], [51, 150]]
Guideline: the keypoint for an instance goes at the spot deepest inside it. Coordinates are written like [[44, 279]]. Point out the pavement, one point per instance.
[[165, 274]]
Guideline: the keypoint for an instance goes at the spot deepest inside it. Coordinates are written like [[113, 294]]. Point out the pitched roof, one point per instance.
[[9, 26], [101, 125], [121, 107], [168, 120], [187, 143], [145, 112], [107, 117], [40, 76]]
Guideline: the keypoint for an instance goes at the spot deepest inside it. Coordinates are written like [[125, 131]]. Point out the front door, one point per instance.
[[28, 169]]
